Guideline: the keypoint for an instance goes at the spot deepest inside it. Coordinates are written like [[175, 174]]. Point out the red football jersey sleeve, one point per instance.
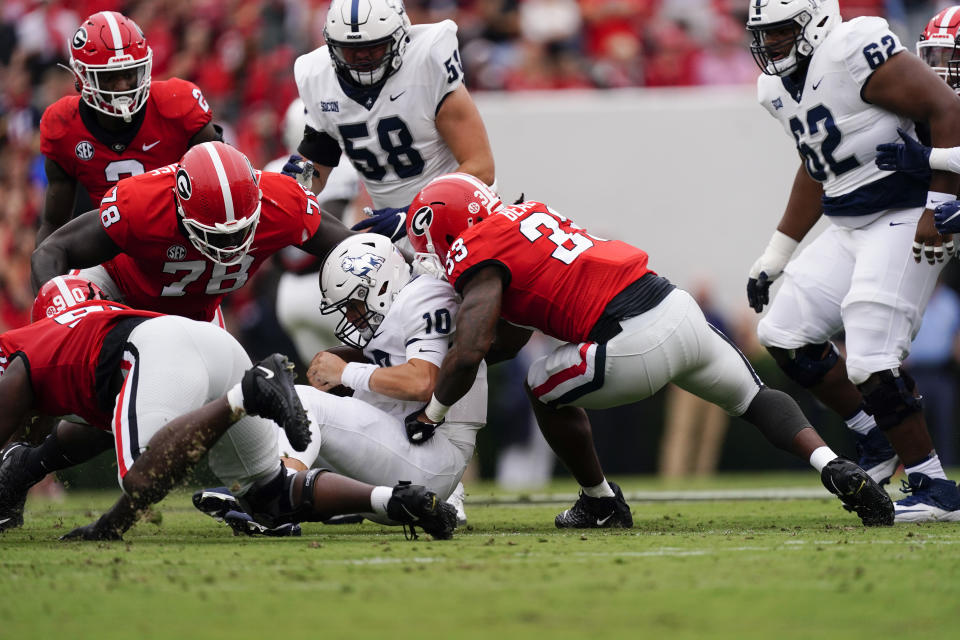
[[175, 111], [160, 270], [560, 277], [62, 353]]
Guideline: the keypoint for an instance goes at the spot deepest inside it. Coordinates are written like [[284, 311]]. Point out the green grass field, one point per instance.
[[720, 568]]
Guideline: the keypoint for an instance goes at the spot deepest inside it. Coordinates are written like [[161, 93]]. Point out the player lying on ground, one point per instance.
[[403, 325]]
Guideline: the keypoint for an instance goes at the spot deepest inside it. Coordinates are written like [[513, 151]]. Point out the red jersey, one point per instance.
[[160, 270], [62, 353], [175, 111], [560, 277]]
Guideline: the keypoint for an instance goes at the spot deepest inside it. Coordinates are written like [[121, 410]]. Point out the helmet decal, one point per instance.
[[184, 188], [421, 221]]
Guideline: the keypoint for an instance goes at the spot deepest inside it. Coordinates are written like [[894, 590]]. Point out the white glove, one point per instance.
[[429, 265], [775, 257]]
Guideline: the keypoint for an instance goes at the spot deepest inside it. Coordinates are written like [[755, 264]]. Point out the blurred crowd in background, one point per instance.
[[241, 54]]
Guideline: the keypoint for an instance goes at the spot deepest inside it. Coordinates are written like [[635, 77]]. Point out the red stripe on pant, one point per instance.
[[566, 374], [125, 366]]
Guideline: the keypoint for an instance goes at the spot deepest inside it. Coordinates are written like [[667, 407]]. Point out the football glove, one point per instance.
[[388, 222], [419, 432], [910, 156], [947, 217], [768, 268], [92, 531], [300, 170]]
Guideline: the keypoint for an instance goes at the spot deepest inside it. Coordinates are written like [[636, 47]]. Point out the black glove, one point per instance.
[[390, 222], [419, 432], [910, 156], [758, 292], [92, 531]]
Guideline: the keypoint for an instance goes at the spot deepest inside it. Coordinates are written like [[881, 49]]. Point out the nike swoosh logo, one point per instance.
[[147, 147], [392, 98], [603, 521], [266, 372], [814, 86], [895, 224]]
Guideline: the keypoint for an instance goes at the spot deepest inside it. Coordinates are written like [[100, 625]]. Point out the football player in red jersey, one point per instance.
[[626, 333], [179, 238], [121, 124], [169, 388]]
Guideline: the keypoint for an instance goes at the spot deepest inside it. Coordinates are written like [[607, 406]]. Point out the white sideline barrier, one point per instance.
[[697, 177]]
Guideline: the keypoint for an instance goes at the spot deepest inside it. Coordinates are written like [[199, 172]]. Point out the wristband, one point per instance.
[[782, 245], [936, 197], [356, 375], [436, 410], [939, 159]]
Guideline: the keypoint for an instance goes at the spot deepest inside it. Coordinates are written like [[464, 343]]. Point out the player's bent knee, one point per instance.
[[777, 416], [890, 397], [807, 365]]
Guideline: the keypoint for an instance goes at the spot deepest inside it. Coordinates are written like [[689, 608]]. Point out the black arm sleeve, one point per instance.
[[319, 147]]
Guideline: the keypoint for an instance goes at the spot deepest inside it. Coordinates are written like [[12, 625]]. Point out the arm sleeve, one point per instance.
[[319, 147]]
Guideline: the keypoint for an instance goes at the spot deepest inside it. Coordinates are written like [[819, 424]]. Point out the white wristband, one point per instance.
[[782, 245], [356, 375], [940, 159], [936, 197], [436, 410]]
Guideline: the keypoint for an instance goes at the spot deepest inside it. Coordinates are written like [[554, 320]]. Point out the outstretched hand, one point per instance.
[[911, 155], [92, 531], [390, 222]]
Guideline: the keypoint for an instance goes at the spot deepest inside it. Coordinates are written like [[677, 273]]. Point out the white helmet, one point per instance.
[[294, 123], [360, 278], [366, 39], [800, 25]]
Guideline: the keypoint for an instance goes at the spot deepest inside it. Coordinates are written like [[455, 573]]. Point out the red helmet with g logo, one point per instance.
[[111, 62], [445, 208], [61, 293], [938, 45], [218, 200]]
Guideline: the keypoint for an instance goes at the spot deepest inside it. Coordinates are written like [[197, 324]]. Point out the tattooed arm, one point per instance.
[[476, 330]]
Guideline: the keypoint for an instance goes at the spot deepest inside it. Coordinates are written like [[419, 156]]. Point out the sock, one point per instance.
[[821, 456], [379, 498], [861, 422], [45, 458], [602, 490], [929, 466]]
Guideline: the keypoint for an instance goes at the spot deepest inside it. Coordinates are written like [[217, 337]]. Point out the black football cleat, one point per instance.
[[243, 524], [413, 505], [268, 392], [216, 502], [15, 481], [597, 513], [858, 492]]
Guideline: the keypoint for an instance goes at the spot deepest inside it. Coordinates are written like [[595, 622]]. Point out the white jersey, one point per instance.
[[420, 324], [392, 137], [836, 131]]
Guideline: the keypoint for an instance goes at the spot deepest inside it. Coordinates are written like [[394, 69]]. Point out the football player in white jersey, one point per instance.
[[839, 89], [399, 328], [391, 97]]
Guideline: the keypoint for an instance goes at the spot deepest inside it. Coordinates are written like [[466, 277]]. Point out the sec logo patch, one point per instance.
[[84, 150]]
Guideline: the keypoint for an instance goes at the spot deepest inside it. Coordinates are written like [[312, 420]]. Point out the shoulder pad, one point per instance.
[[174, 97], [58, 118]]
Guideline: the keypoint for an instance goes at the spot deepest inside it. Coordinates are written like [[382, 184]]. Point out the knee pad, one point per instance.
[[808, 364], [272, 504], [889, 397]]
